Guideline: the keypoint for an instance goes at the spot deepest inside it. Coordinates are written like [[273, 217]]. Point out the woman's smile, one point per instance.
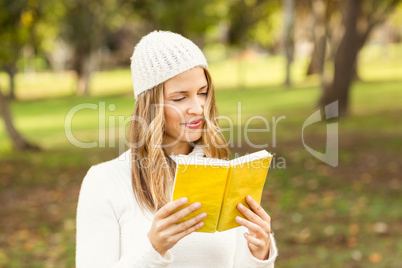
[[194, 124]]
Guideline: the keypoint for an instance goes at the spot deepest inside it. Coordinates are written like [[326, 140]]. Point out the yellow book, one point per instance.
[[220, 185]]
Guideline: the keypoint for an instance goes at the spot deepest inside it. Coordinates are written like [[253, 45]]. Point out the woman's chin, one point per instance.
[[192, 137]]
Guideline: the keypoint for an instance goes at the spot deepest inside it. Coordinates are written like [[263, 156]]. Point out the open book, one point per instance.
[[220, 185]]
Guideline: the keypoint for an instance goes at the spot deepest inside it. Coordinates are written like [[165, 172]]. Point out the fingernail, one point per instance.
[[184, 200], [201, 224], [239, 219], [197, 205], [241, 206], [245, 235], [249, 198]]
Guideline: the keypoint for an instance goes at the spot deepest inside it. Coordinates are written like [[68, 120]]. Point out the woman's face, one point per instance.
[[184, 99]]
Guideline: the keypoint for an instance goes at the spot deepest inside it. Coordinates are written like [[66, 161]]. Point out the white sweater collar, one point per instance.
[[198, 151]]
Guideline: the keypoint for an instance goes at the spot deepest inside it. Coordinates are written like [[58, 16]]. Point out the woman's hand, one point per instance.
[[259, 227], [165, 232]]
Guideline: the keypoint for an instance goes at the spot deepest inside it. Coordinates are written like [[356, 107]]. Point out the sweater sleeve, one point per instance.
[[243, 256], [98, 231]]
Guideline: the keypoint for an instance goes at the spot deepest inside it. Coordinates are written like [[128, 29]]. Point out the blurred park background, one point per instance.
[[280, 59]]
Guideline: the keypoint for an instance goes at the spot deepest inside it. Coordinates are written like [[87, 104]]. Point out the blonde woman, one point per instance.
[[124, 215]]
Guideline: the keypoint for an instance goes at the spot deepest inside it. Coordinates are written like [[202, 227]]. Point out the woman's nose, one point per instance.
[[196, 106]]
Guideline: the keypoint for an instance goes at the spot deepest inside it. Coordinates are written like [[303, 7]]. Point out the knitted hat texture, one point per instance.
[[161, 55]]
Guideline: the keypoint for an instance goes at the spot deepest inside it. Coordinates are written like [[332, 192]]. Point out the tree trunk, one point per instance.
[[18, 142], [288, 7], [11, 71], [83, 84], [84, 75], [83, 68], [29, 60], [371, 21], [355, 75], [345, 60], [316, 65]]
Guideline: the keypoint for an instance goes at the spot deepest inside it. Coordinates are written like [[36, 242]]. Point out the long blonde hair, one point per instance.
[[152, 171]]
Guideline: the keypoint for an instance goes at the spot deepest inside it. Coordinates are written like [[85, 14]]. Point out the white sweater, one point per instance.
[[112, 230]]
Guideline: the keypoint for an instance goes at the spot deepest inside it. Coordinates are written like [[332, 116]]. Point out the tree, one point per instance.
[[248, 18], [321, 16], [344, 60], [190, 18], [18, 141], [85, 27], [250, 23], [288, 42], [22, 24], [360, 18], [16, 21]]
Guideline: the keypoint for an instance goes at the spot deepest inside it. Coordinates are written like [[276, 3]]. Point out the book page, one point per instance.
[[249, 157], [245, 179], [206, 161], [204, 184]]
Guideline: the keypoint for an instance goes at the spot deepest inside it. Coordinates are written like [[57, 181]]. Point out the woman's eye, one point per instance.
[[204, 93], [179, 99]]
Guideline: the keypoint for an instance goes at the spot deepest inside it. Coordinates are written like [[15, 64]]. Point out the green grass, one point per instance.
[[347, 216], [43, 121]]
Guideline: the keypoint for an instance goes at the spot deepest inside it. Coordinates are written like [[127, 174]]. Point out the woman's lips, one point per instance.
[[194, 124]]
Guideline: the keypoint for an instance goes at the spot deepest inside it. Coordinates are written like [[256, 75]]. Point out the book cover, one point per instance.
[[220, 185]]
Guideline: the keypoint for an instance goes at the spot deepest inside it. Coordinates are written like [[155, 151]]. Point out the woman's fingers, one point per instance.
[[258, 223], [254, 218], [191, 225], [168, 209], [253, 240], [258, 209], [188, 231], [253, 227], [250, 215], [180, 214], [180, 230], [165, 232]]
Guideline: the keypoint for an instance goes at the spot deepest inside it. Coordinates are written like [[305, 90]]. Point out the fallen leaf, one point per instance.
[[357, 255], [380, 227], [375, 257]]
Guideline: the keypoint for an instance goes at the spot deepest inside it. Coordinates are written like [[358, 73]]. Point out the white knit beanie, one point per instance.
[[160, 56]]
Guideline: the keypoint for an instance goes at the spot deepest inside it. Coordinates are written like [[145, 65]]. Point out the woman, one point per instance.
[[124, 215]]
